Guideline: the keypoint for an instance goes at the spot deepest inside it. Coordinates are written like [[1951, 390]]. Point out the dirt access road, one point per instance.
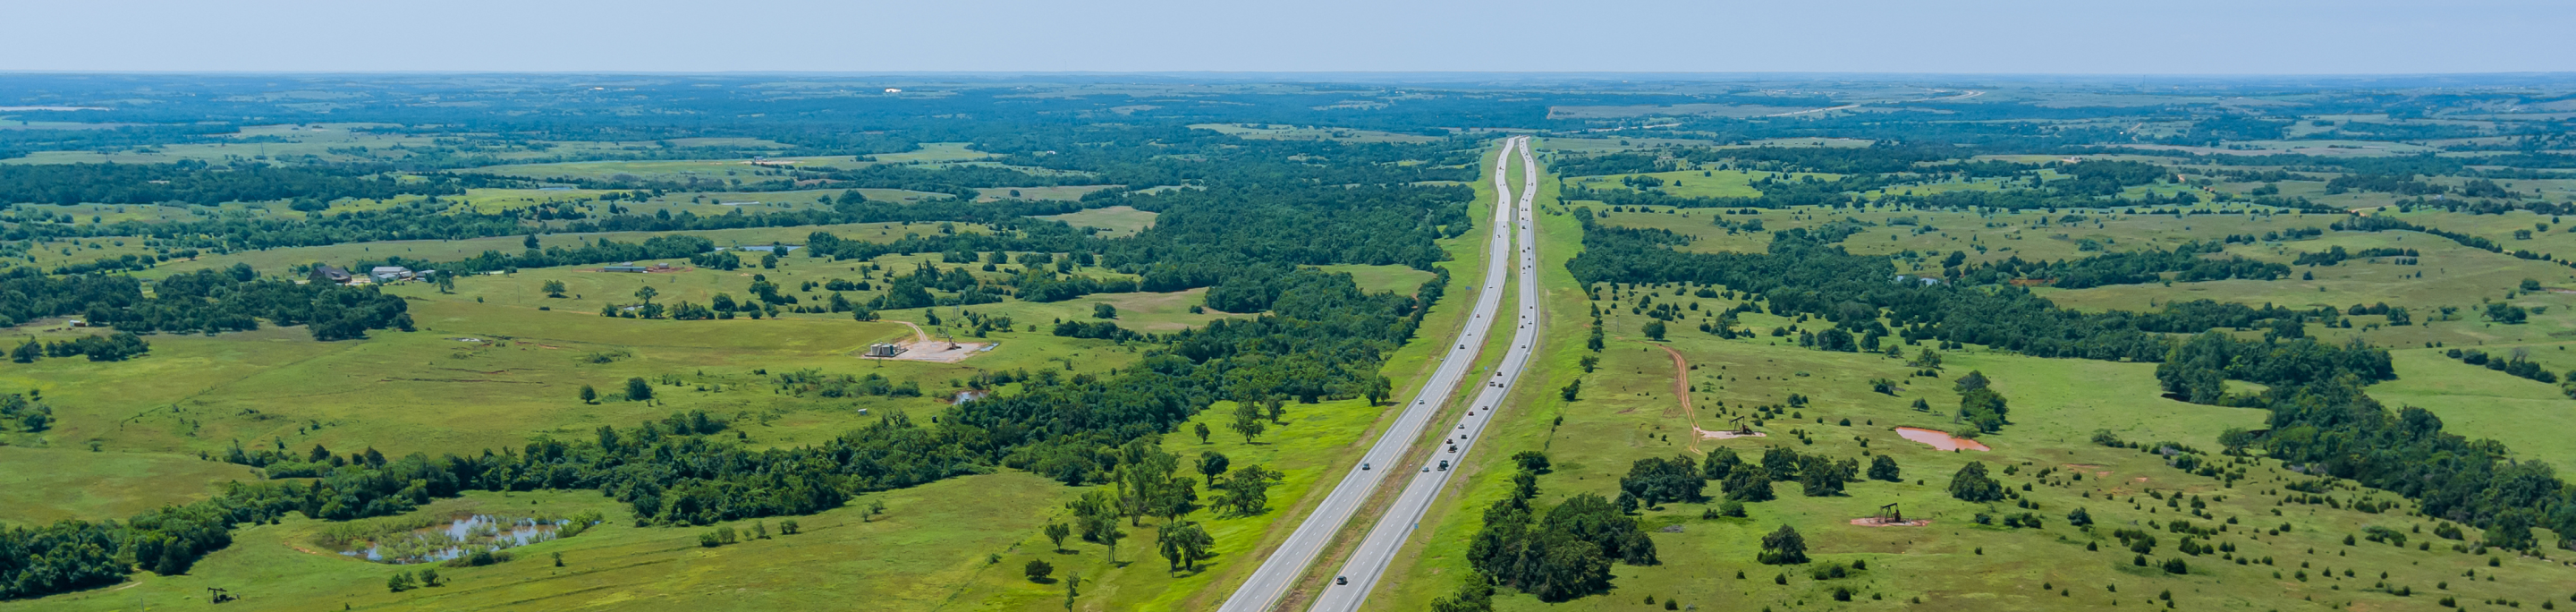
[[1681, 388]]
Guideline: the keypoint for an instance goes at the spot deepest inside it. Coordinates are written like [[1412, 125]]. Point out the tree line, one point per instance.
[[204, 301], [204, 184], [2323, 423], [1799, 275], [435, 218], [2187, 264]]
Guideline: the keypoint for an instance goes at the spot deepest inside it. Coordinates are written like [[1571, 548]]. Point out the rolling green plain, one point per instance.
[[496, 363], [1629, 411]]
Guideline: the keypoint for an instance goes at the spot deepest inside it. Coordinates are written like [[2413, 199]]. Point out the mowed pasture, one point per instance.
[[2530, 417], [931, 542], [806, 279], [498, 360], [280, 261], [1391, 279], [1706, 183], [1292, 132], [702, 203], [2517, 230], [2445, 276], [44, 485], [473, 377], [51, 253], [1116, 221], [683, 170], [1982, 237], [1060, 192]]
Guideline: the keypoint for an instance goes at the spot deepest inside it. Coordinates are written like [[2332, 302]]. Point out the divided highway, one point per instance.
[[1369, 562], [1280, 571]]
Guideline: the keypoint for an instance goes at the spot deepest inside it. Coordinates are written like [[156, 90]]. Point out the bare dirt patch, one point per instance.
[[1941, 440], [1877, 522], [924, 348], [1727, 435]]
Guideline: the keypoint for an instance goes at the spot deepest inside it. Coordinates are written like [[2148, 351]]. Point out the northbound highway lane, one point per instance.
[[1368, 563], [1280, 571]]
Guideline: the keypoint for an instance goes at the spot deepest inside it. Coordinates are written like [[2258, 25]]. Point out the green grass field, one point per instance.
[[1628, 411], [2530, 417], [1117, 220], [278, 261], [43, 485], [502, 361], [926, 551], [1396, 279], [1287, 132], [497, 362]]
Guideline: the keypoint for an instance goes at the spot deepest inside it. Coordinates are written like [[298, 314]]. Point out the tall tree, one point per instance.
[[1183, 544], [1247, 492], [1883, 467], [1056, 533], [1211, 464], [1972, 484], [1247, 421], [1783, 547]]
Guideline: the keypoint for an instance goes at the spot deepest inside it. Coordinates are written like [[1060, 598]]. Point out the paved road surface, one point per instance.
[[1369, 561], [1279, 572]]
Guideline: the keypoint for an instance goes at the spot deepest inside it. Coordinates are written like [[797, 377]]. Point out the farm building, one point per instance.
[[625, 268], [389, 273], [884, 350], [331, 274]]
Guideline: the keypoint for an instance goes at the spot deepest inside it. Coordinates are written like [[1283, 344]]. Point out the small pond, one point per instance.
[[463, 536]]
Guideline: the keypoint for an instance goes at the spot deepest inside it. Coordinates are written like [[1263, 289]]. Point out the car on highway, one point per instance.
[[1363, 467], [1338, 580], [1444, 466]]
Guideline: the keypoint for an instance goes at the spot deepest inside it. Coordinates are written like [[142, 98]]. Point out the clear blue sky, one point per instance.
[[1943, 36]]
